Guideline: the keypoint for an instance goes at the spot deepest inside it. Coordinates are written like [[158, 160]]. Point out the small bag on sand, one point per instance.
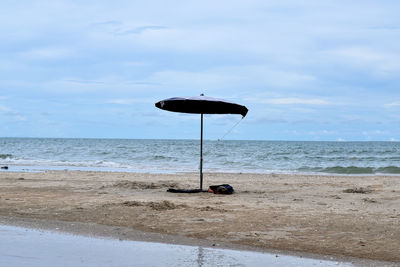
[[225, 189]]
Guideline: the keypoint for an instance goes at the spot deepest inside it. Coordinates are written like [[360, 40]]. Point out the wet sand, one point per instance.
[[32, 247], [352, 216]]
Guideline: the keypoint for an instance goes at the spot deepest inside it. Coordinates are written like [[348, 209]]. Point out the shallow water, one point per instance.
[[183, 156], [29, 247]]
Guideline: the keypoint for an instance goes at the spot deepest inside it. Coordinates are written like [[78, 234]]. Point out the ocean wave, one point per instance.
[[6, 156], [166, 158], [65, 163], [389, 170], [183, 155], [349, 170], [352, 170]]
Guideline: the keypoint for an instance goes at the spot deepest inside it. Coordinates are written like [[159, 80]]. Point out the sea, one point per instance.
[[174, 156]]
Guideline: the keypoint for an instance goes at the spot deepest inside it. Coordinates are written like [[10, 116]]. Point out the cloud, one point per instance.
[[9, 112], [120, 28], [83, 81], [201, 80], [104, 86], [293, 101], [109, 22], [227, 79], [121, 101], [372, 58], [323, 132], [357, 54], [48, 53], [140, 30], [45, 114], [5, 109], [393, 104], [375, 132], [130, 101], [266, 120], [389, 28]]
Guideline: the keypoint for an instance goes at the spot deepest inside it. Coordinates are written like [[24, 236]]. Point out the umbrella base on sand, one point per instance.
[[173, 190], [225, 189]]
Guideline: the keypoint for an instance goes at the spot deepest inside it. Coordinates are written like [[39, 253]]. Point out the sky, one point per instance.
[[306, 70]]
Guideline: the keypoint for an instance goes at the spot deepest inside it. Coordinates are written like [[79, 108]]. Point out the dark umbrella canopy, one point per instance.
[[201, 105]]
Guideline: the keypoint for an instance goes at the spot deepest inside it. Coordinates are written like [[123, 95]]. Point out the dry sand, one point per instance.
[[356, 216]]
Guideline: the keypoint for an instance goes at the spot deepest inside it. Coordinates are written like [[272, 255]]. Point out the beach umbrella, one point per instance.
[[201, 105]]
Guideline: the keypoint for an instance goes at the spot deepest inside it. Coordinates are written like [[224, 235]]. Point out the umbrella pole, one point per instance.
[[201, 154]]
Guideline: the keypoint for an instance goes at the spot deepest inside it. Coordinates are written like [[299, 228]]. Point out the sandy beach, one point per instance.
[[353, 216]]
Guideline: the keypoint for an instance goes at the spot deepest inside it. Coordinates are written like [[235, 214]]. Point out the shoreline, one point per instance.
[[294, 213], [31, 168]]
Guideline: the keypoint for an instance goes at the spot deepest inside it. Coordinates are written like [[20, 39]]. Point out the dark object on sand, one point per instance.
[[173, 190], [201, 105], [224, 189], [358, 190], [5, 167]]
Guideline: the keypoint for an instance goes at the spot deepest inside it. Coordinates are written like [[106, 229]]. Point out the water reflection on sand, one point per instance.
[[28, 247]]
